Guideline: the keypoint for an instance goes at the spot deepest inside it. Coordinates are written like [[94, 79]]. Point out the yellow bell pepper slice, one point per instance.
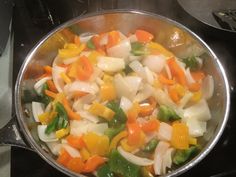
[[65, 78], [180, 90], [62, 132], [117, 139], [102, 111], [107, 78], [46, 117], [180, 136], [43, 118], [71, 50], [108, 92], [196, 96], [96, 144], [192, 141], [126, 146], [72, 70], [93, 56], [160, 48], [84, 154]]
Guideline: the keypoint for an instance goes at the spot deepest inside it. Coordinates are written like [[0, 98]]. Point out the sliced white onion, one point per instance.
[[37, 109], [200, 62], [121, 50], [196, 128], [68, 61], [58, 81], [155, 62], [97, 73], [98, 128], [110, 64], [87, 115], [208, 87], [165, 131], [133, 38], [199, 111], [55, 147], [149, 75], [79, 103], [85, 53], [38, 85], [167, 160], [137, 67], [56, 61], [185, 99], [43, 136], [163, 98], [122, 87], [72, 151], [85, 37], [83, 126], [181, 64], [78, 128], [135, 159], [125, 104], [158, 156], [133, 57], [87, 87], [189, 77], [144, 93], [167, 69], [48, 108], [99, 81], [134, 82], [122, 36], [104, 40]]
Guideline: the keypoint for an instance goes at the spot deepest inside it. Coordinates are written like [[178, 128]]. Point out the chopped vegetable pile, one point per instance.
[[116, 105]]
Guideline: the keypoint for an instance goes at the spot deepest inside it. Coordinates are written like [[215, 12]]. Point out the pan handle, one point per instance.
[[10, 135]]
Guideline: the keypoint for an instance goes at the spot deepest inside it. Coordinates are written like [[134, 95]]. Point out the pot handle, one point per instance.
[[10, 135]]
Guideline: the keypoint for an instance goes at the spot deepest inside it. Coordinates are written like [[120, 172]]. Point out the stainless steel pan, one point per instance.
[[23, 130]]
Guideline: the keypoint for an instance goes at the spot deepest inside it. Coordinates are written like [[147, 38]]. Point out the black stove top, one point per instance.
[[33, 19]]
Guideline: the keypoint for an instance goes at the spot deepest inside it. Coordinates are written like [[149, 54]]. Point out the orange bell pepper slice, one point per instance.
[[76, 164], [143, 36], [50, 94], [134, 134], [47, 72], [150, 126], [47, 69], [76, 141], [85, 68], [77, 40], [177, 71], [72, 115], [51, 86], [133, 112], [63, 157], [113, 38], [198, 75], [165, 80], [174, 94], [194, 87], [93, 163], [147, 109]]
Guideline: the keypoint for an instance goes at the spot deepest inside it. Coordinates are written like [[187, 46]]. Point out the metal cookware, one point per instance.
[[22, 132]]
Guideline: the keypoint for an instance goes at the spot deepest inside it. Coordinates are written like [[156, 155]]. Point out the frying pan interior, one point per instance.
[[186, 43]]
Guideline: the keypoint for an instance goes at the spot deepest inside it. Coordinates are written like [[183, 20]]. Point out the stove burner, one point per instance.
[[28, 30]]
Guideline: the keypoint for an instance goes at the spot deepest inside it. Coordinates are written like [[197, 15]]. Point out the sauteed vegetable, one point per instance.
[[117, 105]]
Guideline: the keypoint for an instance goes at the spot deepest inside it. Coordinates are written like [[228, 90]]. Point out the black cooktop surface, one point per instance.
[[33, 19]]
